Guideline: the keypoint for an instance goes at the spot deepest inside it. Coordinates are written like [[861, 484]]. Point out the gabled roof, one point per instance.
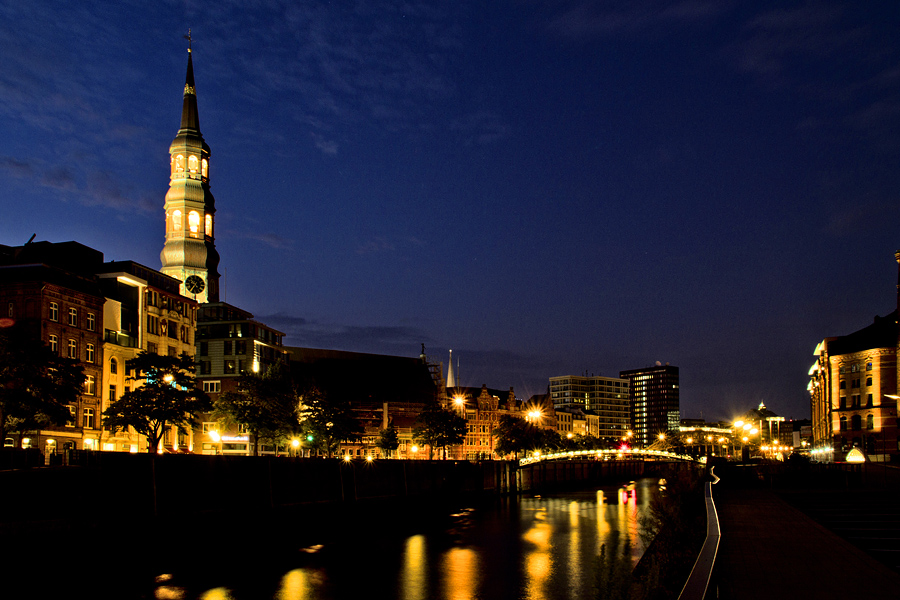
[[880, 334]]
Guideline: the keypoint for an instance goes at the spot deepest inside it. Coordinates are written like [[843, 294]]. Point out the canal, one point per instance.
[[528, 548]]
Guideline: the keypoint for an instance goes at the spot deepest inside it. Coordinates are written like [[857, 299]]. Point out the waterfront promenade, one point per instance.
[[770, 548]]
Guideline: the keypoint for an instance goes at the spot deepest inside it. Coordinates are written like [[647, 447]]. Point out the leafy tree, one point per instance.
[[388, 440], [439, 428], [515, 435], [35, 383], [328, 421], [266, 405], [168, 398]]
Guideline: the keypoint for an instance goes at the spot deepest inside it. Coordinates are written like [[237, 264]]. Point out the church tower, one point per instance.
[[190, 252]]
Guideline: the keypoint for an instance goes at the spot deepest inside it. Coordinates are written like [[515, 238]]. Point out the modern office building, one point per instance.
[[606, 397], [654, 402]]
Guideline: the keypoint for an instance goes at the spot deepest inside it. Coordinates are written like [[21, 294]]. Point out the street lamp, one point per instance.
[[295, 444]]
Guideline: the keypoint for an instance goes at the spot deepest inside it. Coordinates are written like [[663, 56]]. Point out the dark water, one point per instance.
[[527, 548]]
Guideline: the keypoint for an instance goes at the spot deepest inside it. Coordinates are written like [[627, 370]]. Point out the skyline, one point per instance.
[[547, 188]]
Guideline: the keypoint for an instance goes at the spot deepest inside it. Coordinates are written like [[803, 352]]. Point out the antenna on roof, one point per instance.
[[31, 239]]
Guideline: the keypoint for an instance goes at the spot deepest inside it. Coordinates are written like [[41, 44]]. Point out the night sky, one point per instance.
[[546, 187]]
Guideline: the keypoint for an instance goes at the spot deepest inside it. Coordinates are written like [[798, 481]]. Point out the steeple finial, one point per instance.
[[188, 38]]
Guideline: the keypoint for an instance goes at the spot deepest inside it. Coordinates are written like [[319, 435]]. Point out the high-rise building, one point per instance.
[[189, 254], [654, 402], [606, 397]]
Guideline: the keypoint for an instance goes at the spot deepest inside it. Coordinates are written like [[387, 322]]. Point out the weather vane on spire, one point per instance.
[[188, 38]]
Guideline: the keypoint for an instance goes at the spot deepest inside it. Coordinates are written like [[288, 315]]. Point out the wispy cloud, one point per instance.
[[303, 332], [588, 20]]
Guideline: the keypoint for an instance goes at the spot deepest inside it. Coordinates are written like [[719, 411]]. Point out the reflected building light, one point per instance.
[[169, 592], [413, 581], [575, 566], [218, 593], [460, 570], [300, 584]]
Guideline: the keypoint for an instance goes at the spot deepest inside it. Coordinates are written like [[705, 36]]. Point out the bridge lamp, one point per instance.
[[738, 424]]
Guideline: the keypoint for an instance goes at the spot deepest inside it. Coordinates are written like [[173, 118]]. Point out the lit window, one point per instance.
[[70, 422], [113, 366], [89, 353], [870, 422], [209, 225], [204, 168], [179, 163], [88, 418], [54, 311], [212, 387], [194, 222], [90, 385], [73, 349], [193, 163], [176, 220], [54, 344], [90, 321]]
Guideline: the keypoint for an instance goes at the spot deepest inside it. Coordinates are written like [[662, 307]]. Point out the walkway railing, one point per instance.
[[698, 581]]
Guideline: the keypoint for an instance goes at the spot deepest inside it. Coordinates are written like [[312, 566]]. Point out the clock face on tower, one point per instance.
[[194, 284]]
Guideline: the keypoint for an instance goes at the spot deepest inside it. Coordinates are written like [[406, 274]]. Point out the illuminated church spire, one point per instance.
[[451, 379], [190, 252]]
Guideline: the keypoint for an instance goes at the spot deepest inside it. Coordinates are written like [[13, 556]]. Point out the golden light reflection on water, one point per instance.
[[575, 568], [300, 584], [413, 577], [538, 560], [218, 593], [460, 569]]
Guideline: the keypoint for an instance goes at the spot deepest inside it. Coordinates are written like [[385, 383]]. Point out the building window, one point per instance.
[[152, 324], [53, 342], [112, 393], [193, 163], [868, 366], [843, 385], [870, 421], [73, 349], [212, 387], [209, 426], [73, 317], [11, 311], [855, 383], [90, 385], [172, 351], [855, 422], [229, 367], [87, 420], [194, 223], [868, 382], [240, 347], [54, 311], [870, 401], [843, 423], [227, 351], [70, 422], [90, 321], [152, 298], [208, 217], [843, 402], [113, 366], [855, 399], [176, 221], [89, 353], [172, 330], [204, 348], [152, 348], [205, 367]]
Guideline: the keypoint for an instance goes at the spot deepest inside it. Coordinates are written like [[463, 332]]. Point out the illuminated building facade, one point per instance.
[[189, 254], [654, 401], [230, 343], [482, 412], [853, 389], [143, 311], [51, 290], [606, 397]]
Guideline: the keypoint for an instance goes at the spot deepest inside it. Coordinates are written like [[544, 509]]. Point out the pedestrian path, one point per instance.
[[770, 550]]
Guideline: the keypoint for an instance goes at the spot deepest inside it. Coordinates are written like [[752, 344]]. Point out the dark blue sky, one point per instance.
[[547, 187]]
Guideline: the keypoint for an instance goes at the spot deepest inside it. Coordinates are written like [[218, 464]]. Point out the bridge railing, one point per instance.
[[624, 453]]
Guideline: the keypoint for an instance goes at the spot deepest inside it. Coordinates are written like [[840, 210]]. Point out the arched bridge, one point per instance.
[[623, 454]]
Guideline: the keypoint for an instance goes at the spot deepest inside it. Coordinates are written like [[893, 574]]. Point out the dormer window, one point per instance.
[[176, 220], [192, 164], [194, 222], [204, 167]]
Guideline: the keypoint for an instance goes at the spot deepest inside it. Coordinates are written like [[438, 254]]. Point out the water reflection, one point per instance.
[[530, 548]]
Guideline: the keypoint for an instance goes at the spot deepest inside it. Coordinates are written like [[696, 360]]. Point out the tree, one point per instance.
[[168, 398], [265, 404], [515, 435], [388, 440], [439, 428], [327, 421], [36, 384]]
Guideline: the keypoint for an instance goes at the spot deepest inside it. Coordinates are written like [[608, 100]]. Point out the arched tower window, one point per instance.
[[194, 222], [192, 164], [204, 167], [113, 366], [209, 225], [172, 164], [870, 421], [176, 220], [179, 163]]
